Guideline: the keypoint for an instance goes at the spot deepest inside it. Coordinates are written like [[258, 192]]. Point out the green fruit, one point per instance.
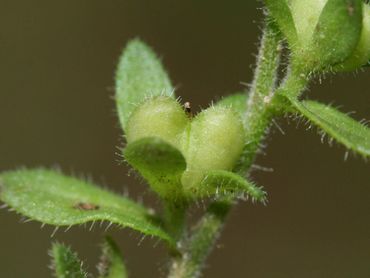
[[214, 141], [161, 117]]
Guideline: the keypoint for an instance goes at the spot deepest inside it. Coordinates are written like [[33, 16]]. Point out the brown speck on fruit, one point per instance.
[[350, 8], [85, 206]]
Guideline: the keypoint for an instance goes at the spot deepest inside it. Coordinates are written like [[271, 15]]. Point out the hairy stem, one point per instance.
[[259, 112], [198, 246], [209, 228], [174, 217]]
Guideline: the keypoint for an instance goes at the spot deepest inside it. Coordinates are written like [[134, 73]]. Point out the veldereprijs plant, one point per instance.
[[186, 158]]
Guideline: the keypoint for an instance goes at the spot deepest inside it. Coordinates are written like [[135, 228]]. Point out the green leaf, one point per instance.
[[237, 102], [139, 75], [354, 135], [52, 198], [111, 262], [159, 163], [225, 183], [280, 12], [342, 17], [66, 263]]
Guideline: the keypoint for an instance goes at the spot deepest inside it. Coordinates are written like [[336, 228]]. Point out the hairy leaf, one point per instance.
[[65, 262], [159, 163], [52, 198], [280, 12], [139, 74], [111, 262], [354, 135], [224, 183]]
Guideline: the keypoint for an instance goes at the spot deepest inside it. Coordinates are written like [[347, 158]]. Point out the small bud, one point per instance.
[[306, 15], [161, 117], [215, 142], [361, 55], [321, 33], [333, 33]]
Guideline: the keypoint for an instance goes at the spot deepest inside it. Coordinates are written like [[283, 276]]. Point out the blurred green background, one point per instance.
[[57, 60]]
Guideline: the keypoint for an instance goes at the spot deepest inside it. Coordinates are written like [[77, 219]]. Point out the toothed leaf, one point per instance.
[[52, 198], [280, 12], [341, 127], [159, 163], [139, 74], [224, 183], [65, 262], [111, 263]]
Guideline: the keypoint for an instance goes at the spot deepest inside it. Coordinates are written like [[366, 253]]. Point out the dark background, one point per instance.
[[57, 60]]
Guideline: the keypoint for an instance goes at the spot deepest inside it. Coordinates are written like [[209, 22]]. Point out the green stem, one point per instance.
[[175, 217], [264, 102], [196, 249], [259, 112], [209, 228], [294, 84]]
